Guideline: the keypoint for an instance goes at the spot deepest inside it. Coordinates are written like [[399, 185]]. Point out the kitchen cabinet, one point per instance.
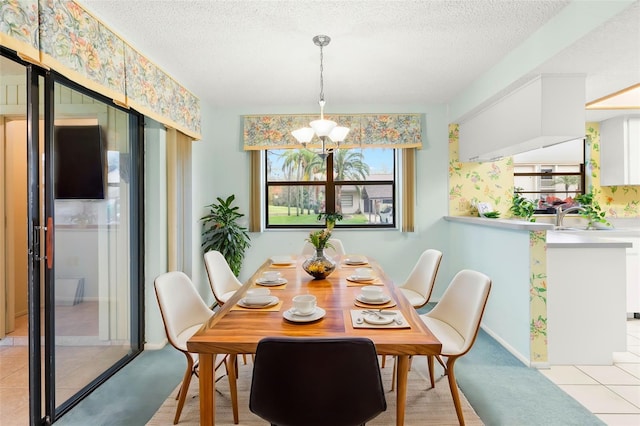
[[586, 293], [620, 151]]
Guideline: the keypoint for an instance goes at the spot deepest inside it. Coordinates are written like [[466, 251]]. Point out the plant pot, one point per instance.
[[319, 266]]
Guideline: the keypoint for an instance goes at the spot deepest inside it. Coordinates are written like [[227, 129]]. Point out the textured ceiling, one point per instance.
[[260, 53]]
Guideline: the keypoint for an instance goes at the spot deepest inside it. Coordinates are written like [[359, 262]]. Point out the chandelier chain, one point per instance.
[[321, 75]]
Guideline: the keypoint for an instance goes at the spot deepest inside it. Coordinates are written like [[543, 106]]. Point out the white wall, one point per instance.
[[221, 168]]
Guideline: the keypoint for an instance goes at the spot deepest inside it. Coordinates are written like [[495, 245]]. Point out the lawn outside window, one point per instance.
[[362, 188]]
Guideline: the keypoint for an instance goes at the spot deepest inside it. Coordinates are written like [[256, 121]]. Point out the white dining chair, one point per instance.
[[183, 313], [336, 250], [222, 280], [455, 321], [419, 284]]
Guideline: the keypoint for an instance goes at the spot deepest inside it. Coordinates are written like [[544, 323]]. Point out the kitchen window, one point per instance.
[[362, 187], [549, 185]]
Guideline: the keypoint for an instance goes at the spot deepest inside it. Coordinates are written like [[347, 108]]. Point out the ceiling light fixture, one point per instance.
[[322, 128], [628, 98]]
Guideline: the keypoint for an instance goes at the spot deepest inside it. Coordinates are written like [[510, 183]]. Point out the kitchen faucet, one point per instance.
[[560, 213]]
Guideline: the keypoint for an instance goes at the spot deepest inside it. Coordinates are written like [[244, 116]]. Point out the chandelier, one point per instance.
[[322, 128]]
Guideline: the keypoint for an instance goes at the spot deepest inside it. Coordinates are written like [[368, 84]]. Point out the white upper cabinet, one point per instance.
[[543, 112], [620, 151]]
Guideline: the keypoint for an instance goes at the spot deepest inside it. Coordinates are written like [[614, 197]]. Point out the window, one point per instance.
[[362, 187], [549, 185]]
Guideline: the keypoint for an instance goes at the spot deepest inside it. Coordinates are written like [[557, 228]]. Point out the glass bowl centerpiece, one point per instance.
[[318, 265]]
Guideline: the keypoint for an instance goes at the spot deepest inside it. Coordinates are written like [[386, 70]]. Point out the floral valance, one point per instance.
[[78, 45], [367, 130], [19, 27]]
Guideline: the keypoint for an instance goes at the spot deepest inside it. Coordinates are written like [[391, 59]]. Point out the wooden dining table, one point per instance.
[[234, 330]]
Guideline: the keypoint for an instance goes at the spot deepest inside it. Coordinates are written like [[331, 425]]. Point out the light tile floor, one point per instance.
[[610, 392]]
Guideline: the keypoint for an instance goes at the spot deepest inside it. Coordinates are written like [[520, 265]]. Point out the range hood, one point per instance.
[[545, 111]]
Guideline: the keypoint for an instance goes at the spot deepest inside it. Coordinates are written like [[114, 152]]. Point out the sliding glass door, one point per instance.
[[70, 255]]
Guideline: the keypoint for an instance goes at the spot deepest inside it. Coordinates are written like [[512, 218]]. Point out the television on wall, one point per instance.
[[79, 163]]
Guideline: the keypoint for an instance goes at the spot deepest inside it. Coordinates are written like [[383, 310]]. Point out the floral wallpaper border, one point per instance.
[[367, 130], [616, 201], [538, 295], [73, 42]]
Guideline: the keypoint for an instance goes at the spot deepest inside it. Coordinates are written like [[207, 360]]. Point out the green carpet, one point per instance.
[[503, 391]]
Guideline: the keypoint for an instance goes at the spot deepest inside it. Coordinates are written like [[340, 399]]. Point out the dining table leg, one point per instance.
[[233, 385], [401, 388], [207, 384]]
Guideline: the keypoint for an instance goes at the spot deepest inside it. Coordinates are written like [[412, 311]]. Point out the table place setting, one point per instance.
[[377, 318], [259, 299], [363, 276], [354, 261], [304, 309], [284, 261], [272, 279]]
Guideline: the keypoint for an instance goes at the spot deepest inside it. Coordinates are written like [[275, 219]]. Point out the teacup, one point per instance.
[[257, 296], [271, 276], [364, 273], [304, 304], [371, 292]]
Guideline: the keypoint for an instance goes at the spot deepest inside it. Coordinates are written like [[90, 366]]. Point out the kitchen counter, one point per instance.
[[583, 239], [558, 297]]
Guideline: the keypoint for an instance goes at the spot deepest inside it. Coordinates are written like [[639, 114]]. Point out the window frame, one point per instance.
[[330, 185]]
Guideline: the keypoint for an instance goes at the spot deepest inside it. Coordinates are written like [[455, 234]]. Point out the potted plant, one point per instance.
[[522, 207], [222, 232], [592, 211]]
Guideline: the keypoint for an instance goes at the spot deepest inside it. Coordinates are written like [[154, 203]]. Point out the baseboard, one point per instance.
[[525, 360], [155, 346]]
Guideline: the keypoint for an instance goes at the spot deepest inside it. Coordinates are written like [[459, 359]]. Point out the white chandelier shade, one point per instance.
[[322, 128]]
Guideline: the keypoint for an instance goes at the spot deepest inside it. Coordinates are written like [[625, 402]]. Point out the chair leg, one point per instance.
[[454, 389], [231, 366], [184, 388], [431, 374], [384, 361]]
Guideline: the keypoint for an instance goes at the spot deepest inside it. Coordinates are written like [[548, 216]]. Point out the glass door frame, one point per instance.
[[42, 405]]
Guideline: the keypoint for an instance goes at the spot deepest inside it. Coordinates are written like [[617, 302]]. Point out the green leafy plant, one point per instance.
[[522, 207], [222, 232], [592, 210], [330, 218], [491, 215]]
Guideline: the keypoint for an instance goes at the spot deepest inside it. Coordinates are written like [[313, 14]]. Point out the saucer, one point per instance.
[[273, 300], [268, 283], [376, 320], [381, 301], [315, 315], [359, 279]]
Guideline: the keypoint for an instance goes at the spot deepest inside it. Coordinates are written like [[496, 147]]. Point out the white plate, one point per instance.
[[273, 300], [267, 283], [361, 298], [376, 320], [282, 260], [359, 279], [355, 260], [316, 315]]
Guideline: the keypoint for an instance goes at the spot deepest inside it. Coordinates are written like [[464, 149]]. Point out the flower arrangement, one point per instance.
[[320, 239], [319, 266]]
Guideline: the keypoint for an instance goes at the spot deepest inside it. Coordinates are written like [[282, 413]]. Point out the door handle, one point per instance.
[[49, 242]]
